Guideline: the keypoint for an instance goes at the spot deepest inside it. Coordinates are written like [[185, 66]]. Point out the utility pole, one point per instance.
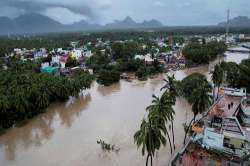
[[227, 26]]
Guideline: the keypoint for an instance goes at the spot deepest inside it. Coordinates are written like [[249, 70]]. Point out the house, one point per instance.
[[46, 64], [244, 113], [140, 57], [87, 53], [238, 49], [212, 139], [234, 92], [148, 60], [63, 60], [50, 69], [241, 36], [76, 54], [226, 125], [40, 53], [55, 59]]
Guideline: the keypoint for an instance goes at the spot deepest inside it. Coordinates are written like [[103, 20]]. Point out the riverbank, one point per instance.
[[26, 93]]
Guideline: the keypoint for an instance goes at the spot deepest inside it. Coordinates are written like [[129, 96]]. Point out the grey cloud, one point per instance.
[[35, 6], [170, 12]]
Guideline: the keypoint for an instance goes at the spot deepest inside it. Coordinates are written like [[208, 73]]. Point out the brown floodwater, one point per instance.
[[66, 134]]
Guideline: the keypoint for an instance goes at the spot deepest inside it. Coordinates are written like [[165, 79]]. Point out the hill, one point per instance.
[[240, 21], [37, 23]]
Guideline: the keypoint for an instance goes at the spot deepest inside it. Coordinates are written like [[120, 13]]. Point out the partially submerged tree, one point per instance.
[[107, 147], [170, 88], [150, 138], [153, 130], [217, 78], [161, 113], [196, 90]]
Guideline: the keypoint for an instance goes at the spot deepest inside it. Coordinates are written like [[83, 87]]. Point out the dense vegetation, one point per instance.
[[197, 53], [235, 75], [62, 40], [24, 92], [195, 88], [108, 65], [107, 77], [190, 84]]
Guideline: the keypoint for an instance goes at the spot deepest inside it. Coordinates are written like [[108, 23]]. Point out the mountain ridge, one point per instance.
[[38, 23], [128, 22], [239, 21], [35, 23]]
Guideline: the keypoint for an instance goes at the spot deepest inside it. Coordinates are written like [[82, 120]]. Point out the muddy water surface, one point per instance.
[[66, 134]]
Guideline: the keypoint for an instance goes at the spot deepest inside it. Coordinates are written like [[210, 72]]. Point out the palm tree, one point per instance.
[[200, 103], [217, 78], [4, 108], [4, 103], [43, 98], [161, 112], [169, 101], [170, 86], [150, 138]]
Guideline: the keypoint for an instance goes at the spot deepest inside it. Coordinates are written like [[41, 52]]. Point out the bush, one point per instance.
[[108, 77], [142, 73], [197, 53], [191, 83], [237, 75]]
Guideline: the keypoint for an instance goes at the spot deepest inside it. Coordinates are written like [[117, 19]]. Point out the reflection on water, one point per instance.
[[104, 91], [40, 129], [66, 134]]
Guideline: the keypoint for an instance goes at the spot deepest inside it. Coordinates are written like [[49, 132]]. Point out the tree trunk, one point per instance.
[[184, 142], [147, 160], [218, 92], [151, 158], [170, 144], [172, 127], [213, 94]]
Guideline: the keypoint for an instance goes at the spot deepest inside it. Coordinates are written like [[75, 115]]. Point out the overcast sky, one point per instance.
[[169, 12]]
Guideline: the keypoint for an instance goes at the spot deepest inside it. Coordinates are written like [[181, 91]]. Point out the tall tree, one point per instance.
[[161, 112], [217, 78], [150, 138], [171, 87], [195, 89]]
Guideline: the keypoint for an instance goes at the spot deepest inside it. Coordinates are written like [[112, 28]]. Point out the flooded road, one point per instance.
[[66, 134]]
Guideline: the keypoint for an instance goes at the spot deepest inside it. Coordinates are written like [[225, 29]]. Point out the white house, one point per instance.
[[46, 64], [141, 57], [87, 53], [55, 59], [241, 36], [62, 64], [76, 53], [148, 59]]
